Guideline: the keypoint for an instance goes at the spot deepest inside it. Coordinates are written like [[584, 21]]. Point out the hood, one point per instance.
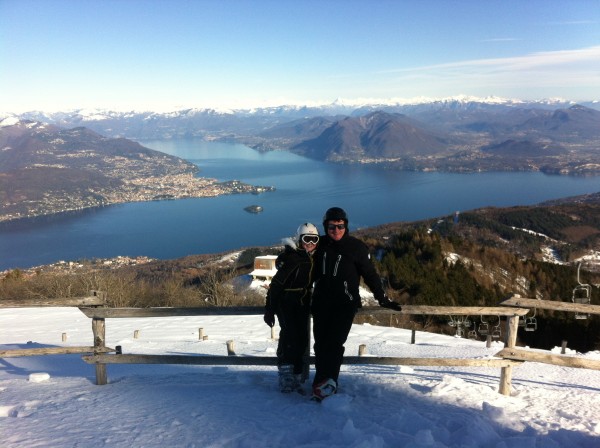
[[289, 242]]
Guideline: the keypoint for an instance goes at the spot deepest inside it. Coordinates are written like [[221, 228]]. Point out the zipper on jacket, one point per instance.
[[337, 263], [324, 263], [348, 292]]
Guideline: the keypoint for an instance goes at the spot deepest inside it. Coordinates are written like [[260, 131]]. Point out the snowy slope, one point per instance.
[[51, 401]]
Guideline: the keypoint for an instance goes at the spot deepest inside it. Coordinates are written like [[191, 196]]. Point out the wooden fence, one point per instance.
[[513, 309]]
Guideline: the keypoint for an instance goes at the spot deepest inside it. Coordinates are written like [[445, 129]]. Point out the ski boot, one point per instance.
[[324, 389], [287, 380]]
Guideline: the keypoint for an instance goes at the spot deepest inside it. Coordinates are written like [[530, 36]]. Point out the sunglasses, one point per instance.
[[336, 226], [310, 239]]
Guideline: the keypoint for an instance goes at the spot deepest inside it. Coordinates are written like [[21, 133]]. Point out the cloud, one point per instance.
[[501, 39], [589, 55], [574, 73], [574, 22]]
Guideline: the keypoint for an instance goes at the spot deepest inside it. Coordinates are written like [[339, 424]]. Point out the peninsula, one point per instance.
[[45, 170]]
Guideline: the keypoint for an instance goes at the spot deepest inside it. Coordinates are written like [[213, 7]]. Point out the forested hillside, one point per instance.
[[483, 256]]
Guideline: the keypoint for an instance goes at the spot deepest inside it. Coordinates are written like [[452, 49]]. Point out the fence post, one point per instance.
[[362, 350], [413, 336], [230, 348], [99, 330], [512, 324], [563, 347], [201, 334]]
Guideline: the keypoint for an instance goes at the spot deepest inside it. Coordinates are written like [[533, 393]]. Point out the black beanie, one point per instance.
[[335, 214]]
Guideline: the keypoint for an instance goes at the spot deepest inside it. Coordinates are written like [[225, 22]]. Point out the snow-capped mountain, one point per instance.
[[135, 123]]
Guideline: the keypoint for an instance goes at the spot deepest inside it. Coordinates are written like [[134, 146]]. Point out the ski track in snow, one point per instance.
[[52, 401]]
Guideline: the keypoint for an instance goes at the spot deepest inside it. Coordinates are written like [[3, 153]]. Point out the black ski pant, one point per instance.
[[331, 326], [294, 336]]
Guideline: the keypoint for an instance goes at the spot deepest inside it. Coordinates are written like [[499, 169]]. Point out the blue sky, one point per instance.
[[171, 54]]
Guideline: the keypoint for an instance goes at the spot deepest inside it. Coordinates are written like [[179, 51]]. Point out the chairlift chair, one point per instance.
[[581, 294], [496, 332], [459, 323], [531, 322], [484, 327]]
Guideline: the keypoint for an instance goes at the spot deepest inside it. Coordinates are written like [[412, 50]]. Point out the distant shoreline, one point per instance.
[[169, 190]]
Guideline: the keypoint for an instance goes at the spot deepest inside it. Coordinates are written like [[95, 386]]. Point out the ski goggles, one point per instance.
[[309, 239]]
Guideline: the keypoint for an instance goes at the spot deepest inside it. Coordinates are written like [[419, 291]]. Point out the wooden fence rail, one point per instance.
[[94, 298], [519, 354], [104, 313], [209, 360], [17, 353], [569, 307]]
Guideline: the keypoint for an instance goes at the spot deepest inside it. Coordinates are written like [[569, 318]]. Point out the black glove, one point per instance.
[[387, 303], [269, 318]]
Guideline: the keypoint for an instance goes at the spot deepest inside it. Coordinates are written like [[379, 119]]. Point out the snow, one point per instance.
[[279, 105], [592, 257], [9, 121], [550, 255], [52, 401]]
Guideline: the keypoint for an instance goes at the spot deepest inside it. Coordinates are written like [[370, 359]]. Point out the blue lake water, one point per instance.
[[305, 189]]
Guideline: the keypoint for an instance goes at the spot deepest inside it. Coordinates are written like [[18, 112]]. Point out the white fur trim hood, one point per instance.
[[290, 242]]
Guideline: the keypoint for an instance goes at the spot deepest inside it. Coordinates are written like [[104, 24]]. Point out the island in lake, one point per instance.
[[253, 209]]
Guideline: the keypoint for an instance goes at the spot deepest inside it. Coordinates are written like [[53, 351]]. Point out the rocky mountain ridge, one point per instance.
[[375, 136]]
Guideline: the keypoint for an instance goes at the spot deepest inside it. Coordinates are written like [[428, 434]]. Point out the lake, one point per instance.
[[305, 189]]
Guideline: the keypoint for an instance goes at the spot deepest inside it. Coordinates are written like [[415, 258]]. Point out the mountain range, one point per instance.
[[192, 122], [564, 141], [460, 134]]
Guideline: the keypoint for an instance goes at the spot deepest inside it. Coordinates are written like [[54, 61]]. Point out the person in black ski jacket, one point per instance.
[[289, 297], [340, 262]]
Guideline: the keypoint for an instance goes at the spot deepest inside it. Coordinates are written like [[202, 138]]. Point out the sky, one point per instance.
[[166, 55], [52, 401]]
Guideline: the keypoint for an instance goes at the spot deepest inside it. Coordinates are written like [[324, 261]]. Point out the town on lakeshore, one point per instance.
[[69, 267], [154, 188]]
